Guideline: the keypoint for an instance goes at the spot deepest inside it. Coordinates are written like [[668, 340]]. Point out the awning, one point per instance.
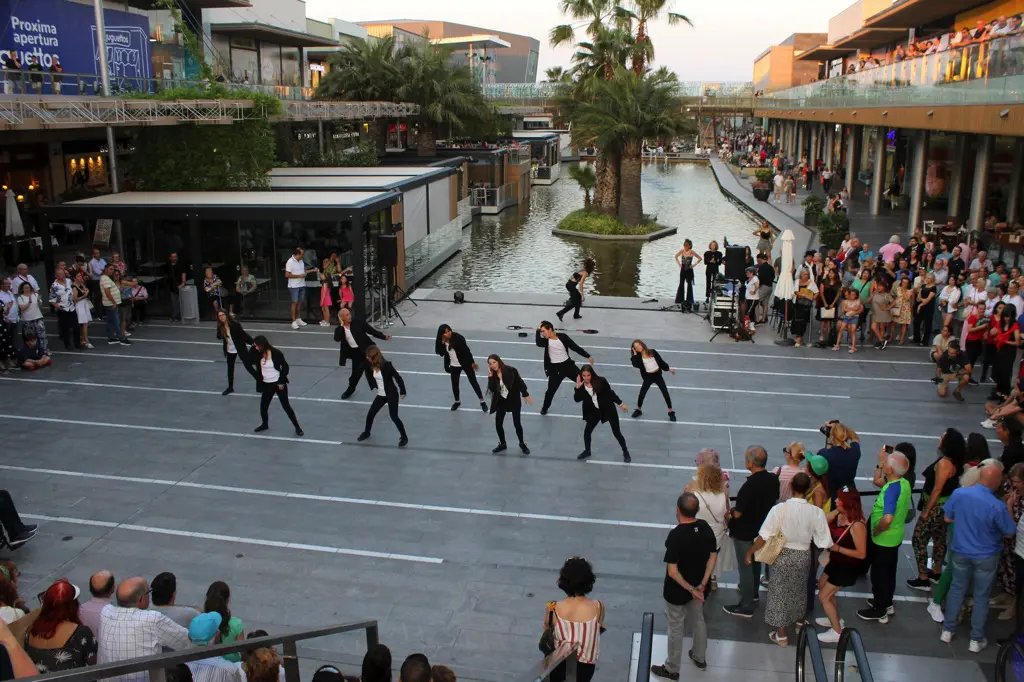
[[283, 36], [481, 42], [867, 38], [910, 13], [823, 53], [193, 4]]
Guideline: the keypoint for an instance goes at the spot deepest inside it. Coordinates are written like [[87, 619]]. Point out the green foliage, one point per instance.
[[600, 223], [764, 175], [813, 204], [363, 70], [446, 93], [191, 40], [492, 126], [832, 227], [362, 155], [584, 177]]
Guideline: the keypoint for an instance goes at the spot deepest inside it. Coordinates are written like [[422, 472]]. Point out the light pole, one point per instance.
[[101, 47]]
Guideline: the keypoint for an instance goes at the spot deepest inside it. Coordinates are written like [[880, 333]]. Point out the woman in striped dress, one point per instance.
[[577, 618]]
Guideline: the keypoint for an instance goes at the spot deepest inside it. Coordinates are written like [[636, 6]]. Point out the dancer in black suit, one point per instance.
[[453, 348], [599, 403], [652, 371], [354, 337], [390, 387], [236, 342], [272, 381], [507, 390], [557, 363], [575, 288]]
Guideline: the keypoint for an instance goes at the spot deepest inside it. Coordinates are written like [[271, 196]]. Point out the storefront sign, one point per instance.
[[102, 234], [317, 67], [67, 30]]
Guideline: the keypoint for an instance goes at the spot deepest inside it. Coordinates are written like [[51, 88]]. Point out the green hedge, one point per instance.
[[601, 223]]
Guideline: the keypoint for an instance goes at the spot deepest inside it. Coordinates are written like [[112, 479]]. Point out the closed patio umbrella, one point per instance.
[[12, 217], [784, 287]]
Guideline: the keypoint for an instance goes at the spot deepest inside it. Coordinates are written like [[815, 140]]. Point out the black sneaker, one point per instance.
[[936, 380], [29, 528], [125, 342], [671, 416], [228, 391], [261, 427], [972, 382], [583, 455], [873, 614], [299, 432], [626, 458], [543, 411], [739, 611], [878, 346], [885, 344], [483, 406], [363, 436], [559, 316], [662, 672], [17, 542], [501, 448], [525, 450], [577, 317], [636, 413], [403, 441], [456, 405], [918, 584], [934, 577], [701, 665], [891, 611]]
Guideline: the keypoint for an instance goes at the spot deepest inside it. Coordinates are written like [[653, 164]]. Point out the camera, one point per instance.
[[826, 428]]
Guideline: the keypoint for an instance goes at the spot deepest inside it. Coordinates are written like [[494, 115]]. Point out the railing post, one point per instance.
[[157, 674], [372, 637], [291, 661]]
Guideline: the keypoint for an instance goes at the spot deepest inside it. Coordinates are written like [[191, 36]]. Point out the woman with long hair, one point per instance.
[[765, 238], [236, 342], [862, 285], [709, 485], [925, 310], [828, 305], [652, 371], [941, 478], [846, 558], [272, 380], [819, 494], [686, 260], [458, 359], [1007, 343], [748, 258], [712, 262], [803, 302], [882, 302], [347, 296], [575, 288], [12, 606], [577, 619], [849, 315], [389, 386], [80, 292], [325, 293], [507, 390], [988, 353], [903, 309], [218, 598], [58, 640], [599, 403]]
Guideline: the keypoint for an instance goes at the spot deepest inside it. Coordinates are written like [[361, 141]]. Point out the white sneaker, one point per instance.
[[977, 645], [295, 324], [947, 636], [301, 322], [89, 346], [988, 424], [324, 323], [830, 636], [824, 622], [935, 611]]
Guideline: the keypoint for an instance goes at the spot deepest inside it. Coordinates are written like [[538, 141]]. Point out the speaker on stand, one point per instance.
[[735, 263]]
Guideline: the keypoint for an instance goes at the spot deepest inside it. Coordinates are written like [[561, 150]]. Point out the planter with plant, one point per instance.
[[814, 207], [762, 185], [832, 227]]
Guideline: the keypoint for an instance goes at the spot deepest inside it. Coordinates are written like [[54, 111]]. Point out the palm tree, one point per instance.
[[643, 12], [586, 179], [556, 74], [590, 15], [447, 94], [365, 71], [625, 111]]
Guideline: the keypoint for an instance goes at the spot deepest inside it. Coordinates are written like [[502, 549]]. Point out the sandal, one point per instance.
[[852, 350], [835, 348], [781, 641]]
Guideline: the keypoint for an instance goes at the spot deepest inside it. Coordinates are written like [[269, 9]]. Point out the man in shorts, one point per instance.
[[295, 272], [953, 367]]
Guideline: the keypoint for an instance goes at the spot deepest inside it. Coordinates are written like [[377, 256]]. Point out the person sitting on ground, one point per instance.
[[164, 590], [1012, 407], [57, 639], [130, 629], [31, 356], [204, 630], [101, 587], [952, 367]]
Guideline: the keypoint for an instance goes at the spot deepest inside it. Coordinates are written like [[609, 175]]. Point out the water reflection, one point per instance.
[[515, 251]]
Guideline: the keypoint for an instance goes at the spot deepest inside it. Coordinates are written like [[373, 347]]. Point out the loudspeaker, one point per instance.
[[735, 262], [387, 250]]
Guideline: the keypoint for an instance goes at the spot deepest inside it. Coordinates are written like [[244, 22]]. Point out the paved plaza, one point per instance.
[[133, 461]]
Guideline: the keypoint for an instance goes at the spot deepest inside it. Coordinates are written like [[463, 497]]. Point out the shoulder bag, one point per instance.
[[547, 638], [706, 506], [825, 557], [828, 313], [774, 545]]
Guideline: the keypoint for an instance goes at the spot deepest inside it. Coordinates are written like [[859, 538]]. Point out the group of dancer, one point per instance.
[[505, 386]]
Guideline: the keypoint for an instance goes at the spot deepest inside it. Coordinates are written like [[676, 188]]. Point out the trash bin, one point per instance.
[[189, 299]]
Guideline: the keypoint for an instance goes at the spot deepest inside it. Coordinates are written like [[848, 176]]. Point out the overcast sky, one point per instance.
[[726, 36]]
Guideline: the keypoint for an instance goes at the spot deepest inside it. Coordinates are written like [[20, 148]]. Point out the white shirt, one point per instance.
[[379, 378], [951, 295], [752, 285], [1019, 545], [61, 295], [941, 276], [802, 523], [976, 264], [231, 344], [10, 314], [32, 312], [452, 357], [593, 396], [502, 388], [270, 373], [651, 365], [296, 267], [557, 352], [349, 339], [135, 633], [216, 669], [1017, 301], [975, 295], [17, 281]]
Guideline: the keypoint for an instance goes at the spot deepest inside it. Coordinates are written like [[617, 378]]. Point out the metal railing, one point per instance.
[[156, 665], [808, 640], [492, 196], [543, 92], [1004, 659], [89, 84], [646, 650], [850, 637], [542, 172]]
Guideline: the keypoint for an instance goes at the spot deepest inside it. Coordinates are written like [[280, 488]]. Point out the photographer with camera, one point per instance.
[[842, 451]]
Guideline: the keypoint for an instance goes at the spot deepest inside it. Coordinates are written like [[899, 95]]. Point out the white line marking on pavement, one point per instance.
[[130, 357], [646, 422], [239, 540], [851, 595], [345, 500]]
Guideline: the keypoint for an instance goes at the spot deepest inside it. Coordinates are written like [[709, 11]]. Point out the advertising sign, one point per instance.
[[67, 30]]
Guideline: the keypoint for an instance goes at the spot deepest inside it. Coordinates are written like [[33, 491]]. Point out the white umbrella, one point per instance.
[[785, 286], [15, 228]]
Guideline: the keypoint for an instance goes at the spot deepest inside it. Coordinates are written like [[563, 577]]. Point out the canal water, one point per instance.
[[516, 252]]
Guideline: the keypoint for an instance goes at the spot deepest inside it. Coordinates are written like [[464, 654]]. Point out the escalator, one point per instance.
[[807, 644]]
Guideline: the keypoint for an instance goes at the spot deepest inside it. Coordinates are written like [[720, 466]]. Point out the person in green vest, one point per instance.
[[888, 523]]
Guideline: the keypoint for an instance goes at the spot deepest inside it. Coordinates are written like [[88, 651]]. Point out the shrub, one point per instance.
[[602, 223], [813, 204], [764, 175], [832, 227]]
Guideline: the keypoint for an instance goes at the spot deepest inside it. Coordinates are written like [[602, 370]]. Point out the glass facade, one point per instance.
[[270, 63]]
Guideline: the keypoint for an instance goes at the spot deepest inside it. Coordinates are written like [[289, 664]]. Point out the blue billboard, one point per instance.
[[67, 30]]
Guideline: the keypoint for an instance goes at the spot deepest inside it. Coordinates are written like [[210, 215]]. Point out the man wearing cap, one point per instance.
[[888, 522], [204, 630]]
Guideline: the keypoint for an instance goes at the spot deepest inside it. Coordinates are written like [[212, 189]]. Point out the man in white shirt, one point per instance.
[[94, 269], [750, 294], [23, 277], [295, 272], [980, 261], [129, 630], [1013, 297]]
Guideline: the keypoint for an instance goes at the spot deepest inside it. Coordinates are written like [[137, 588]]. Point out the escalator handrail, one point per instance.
[[850, 636], [644, 653], [1003, 658], [807, 639]]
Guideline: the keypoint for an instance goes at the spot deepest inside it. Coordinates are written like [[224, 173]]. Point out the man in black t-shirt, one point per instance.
[[755, 499], [952, 367], [690, 555], [712, 262], [766, 281]]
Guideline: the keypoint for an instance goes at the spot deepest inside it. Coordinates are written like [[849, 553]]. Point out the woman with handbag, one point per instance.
[[803, 301], [828, 305], [709, 486], [784, 543], [843, 563], [576, 620], [83, 308]]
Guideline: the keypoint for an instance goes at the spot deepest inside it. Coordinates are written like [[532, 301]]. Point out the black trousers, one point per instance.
[[657, 378], [709, 281], [139, 311], [575, 301], [67, 328], [988, 359], [9, 518], [684, 294], [974, 350], [613, 422], [245, 363], [923, 324], [517, 422], [564, 370], [1003, 370], [884, 561], [359, 367], [454, 372], [377, 405], [1018, 565], [281, 391]]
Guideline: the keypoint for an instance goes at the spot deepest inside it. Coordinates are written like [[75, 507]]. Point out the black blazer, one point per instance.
[[516, 389], [638, 361], [607, 400], [361, 332], [461, 348], [569, 345], [280, 364], [391, 378], [239, 337]]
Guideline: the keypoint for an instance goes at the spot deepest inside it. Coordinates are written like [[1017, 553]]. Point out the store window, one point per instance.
[[290, 73], [270, 64]]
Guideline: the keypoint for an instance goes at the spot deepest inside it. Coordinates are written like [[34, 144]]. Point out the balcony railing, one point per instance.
[[492, 196], [89, 84], [513, 93], [991, 72]]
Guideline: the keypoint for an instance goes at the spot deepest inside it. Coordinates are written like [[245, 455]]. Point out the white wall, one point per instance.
[[440, 204], [415, 213]]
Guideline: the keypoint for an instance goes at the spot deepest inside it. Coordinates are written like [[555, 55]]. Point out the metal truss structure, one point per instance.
[[358, 111]]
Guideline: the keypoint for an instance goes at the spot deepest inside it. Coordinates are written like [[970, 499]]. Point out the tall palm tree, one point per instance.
[[586, 179], [643, 12], [365, 71], [557, 74], [589, 15], [446, 93], [625, 111]]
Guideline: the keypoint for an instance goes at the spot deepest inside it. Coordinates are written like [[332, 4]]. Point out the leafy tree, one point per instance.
[[586, 179]]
